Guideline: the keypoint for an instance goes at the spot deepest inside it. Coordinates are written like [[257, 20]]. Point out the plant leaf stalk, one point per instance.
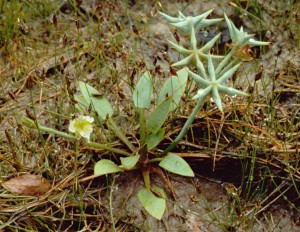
[[30, 123]]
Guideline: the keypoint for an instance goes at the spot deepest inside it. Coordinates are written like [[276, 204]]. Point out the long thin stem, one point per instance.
[[229, 66], [111, 208], [224, 62], [30, 123], [186, 126]]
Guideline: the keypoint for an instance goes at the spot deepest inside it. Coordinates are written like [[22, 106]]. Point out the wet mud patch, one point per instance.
[[201, 204], [195, 200]]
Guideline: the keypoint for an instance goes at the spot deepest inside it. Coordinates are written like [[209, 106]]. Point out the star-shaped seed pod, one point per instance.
[[185, 23], [240, 38], [215, 84], [240, 46], [194, 56]]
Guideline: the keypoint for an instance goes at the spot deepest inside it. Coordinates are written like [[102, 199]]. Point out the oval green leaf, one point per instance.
[[81, 104], [99, 104], [102, 107], [155, 206], [159, 192], [176, 164], [143, 91], [154, 139], [87, 91], [158, 116], [106, 166], [129, 162], [174, 88]]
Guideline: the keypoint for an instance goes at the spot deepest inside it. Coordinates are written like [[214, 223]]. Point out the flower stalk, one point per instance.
[[32, 124]]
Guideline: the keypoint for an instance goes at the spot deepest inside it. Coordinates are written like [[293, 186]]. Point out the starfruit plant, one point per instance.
[[212, 79], [151, 133], [215, 81]]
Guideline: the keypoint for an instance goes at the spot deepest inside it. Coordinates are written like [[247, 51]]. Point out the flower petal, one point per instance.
[[71, 126], [88, 118], [82, 126]]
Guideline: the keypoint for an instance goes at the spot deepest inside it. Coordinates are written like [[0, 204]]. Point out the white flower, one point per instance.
[[82, 126]]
